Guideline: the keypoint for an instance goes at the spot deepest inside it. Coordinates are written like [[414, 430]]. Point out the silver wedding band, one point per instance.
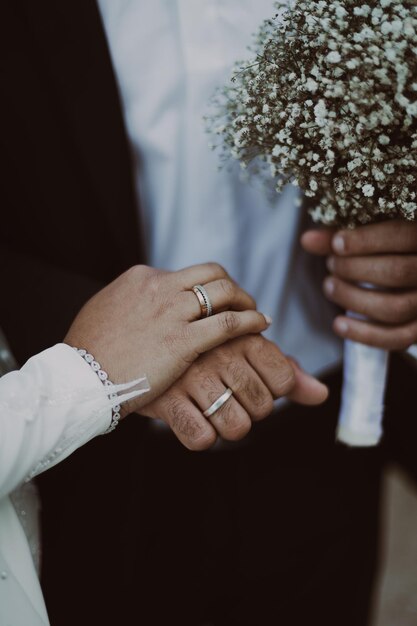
[[204, 300], [218, 403]]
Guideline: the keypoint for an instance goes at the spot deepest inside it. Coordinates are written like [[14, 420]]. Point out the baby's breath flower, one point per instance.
[[329, 103], [368, 190], [333, 57], [383, 140]]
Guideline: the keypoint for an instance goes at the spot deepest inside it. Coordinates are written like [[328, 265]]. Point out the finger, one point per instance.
[[385, 271], [271, 365], [318, 241], [201, 274], [212, 331], [248, 388], [391, 236], [390, 308], [224, 294], [231, 420], [379, 336], [281, 377], [307, 389], [186, 421]]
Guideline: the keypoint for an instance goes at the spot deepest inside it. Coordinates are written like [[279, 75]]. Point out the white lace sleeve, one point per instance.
[[54, 404]]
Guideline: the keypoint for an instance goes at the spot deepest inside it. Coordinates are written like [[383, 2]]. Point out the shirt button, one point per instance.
[[3, 575]]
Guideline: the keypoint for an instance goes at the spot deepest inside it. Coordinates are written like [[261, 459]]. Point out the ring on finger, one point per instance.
[[217, 404], [204, 300]]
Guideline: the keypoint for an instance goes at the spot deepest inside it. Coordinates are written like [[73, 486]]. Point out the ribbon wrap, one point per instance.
[[362, 407]]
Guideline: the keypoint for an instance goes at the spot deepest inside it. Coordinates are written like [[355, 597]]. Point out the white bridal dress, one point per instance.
[[53, 405]]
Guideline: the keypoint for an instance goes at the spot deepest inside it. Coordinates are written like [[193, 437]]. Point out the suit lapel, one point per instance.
[[69, 37]]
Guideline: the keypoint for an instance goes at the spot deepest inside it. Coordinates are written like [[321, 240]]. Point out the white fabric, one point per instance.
[[39, 425], [364, 375], [53, 405], [169, 57]]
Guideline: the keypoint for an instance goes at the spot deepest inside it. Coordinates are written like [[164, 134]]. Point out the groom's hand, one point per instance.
[[385, 255], [257, 372]]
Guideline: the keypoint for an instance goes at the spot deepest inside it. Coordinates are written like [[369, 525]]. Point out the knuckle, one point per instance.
[[235, 424], [181, 419], [180, 345], [163, 305], [229, 322], [216, 269], [259, 399], [267, 352], [264, 407], [137, 275], [137, 270], [149, 281], [236, 375], [228, 288], [283, 379], [256, 343], [209, 382], [217, 359]]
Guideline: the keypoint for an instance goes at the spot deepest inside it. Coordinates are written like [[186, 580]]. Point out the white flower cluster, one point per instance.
[[330, 104]]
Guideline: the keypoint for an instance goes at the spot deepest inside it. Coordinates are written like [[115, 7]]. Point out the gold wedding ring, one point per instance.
[[218, 403], [204, 300]]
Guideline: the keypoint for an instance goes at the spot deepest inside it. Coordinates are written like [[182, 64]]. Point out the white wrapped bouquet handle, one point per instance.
[[365, 371], [364, 380], [362, 407]]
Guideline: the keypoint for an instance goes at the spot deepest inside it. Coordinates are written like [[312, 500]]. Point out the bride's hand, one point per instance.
[[148, 322]]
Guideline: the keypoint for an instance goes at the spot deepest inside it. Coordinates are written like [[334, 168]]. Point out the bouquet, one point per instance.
[[329, 104]]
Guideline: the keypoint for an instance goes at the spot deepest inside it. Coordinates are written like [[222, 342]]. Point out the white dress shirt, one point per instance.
[[169, 57]]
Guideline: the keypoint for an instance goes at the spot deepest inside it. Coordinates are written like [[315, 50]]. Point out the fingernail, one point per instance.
[[329, 286], [342, 326], [338, 244], [330, 263], [268, 319]]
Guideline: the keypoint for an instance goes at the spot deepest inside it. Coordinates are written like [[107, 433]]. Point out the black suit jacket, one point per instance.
[[69, 220], [68, 226]]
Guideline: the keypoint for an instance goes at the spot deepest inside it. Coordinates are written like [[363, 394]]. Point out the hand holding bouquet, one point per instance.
[[330, 104]]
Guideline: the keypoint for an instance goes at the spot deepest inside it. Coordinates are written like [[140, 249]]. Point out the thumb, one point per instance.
[[307, 389]]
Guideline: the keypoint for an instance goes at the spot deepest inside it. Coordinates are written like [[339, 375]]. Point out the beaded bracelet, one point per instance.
[[103, 376]]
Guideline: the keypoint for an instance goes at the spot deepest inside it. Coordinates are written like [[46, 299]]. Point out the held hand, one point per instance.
[[148, 322], [256, 371], [383, 254]]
